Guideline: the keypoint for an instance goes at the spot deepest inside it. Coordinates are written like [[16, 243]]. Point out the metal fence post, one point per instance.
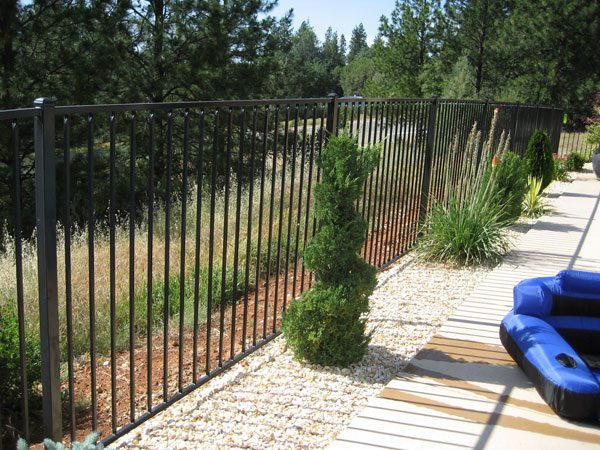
[[331, 125], [45, 213], [431, 124]]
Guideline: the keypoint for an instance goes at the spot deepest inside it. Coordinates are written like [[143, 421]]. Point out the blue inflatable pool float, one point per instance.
[[553, 333]]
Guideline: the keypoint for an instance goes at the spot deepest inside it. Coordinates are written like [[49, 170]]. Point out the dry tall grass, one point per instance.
[[79, 254]]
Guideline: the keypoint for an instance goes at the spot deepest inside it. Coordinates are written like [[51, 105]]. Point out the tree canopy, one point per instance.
[[105, 51]]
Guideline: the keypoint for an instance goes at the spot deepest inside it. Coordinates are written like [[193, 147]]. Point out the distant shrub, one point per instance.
[[10, 374], [269, 265], [575, 162], [158, 292], [538, 157], [10, 365], [327, 325]]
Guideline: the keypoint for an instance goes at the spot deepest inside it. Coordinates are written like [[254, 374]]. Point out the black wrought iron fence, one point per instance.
[[169, 237], [572, 140]]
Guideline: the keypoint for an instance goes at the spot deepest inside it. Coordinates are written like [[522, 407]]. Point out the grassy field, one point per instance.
[[80, 270]]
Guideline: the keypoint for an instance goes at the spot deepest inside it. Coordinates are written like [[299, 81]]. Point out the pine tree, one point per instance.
[[358, 42], [476, 25], [410, 39], [549, 51]]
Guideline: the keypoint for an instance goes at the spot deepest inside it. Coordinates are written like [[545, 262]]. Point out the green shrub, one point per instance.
[[10, 374], [158, 292], [270, 265], [327, 325], [538, 158], [575, 162], [510, 186], [592, 136], [10, 366], [470, 226]]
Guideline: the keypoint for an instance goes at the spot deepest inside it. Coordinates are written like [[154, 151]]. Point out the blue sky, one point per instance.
[[341, 15]]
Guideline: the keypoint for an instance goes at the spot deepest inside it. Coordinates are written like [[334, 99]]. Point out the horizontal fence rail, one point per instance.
[[166, 240]]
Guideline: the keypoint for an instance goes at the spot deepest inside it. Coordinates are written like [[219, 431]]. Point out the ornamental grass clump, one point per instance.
[[326, 325], [469, 227]]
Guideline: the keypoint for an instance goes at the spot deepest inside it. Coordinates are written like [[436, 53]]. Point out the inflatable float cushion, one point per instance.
[[533, 297], [578, 282], [559, 374]]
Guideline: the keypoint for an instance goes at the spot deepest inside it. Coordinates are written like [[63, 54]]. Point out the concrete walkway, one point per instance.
[[462, 390]]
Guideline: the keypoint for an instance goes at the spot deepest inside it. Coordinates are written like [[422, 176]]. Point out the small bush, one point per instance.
[[511, 185], [10, 359], [158, 292], [10, 366], [575, 162], [270, 265], [327, 325], [470, 231], [538, 158], [592, 136]]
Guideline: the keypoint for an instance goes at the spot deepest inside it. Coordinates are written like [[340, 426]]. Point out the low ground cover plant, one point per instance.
[[469, 227], [327, 325], [90, 443]]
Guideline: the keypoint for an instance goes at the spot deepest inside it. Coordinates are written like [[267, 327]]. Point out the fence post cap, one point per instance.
[[332, 95]]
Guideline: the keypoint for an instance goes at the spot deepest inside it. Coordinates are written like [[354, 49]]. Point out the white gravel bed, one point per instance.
[[270, 401]]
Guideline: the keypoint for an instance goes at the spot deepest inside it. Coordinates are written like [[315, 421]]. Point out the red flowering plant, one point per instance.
[[494, 162], [561, 172]]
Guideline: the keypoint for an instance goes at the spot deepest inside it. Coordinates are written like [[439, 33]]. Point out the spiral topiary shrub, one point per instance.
[[538, 157], [326, 325]]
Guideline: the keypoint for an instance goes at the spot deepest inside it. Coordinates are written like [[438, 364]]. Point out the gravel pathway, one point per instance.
[[270, 401]]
